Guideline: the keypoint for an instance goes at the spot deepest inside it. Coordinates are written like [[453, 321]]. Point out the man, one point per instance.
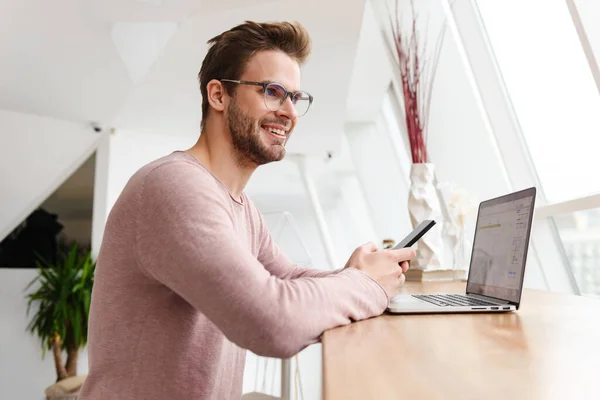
[[188, 276]]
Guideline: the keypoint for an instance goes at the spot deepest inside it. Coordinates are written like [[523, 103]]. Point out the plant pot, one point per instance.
[[65, 389], [423, 204]]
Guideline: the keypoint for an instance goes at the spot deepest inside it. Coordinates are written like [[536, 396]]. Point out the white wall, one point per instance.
[[383, 182], [297, 235], [119, 156], [459, 142], [347, 234], [131, 150], [36, 155], [23, 373]]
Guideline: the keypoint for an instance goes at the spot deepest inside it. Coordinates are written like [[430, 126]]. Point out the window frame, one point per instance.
[[546, 245]]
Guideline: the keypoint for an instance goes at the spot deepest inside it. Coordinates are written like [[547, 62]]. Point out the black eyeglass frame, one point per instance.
[[264, 86]]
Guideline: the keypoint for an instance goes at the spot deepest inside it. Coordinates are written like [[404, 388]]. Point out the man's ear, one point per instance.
[[215, 93]]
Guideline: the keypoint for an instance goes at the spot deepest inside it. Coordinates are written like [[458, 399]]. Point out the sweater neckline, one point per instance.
[[240, 202]]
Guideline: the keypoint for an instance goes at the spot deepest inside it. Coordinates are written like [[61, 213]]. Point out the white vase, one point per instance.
[[423, 203]]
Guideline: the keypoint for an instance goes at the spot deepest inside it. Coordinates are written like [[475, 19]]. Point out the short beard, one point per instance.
[[245, 137]]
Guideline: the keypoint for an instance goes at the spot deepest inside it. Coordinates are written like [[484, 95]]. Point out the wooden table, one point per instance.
[[548, 349]]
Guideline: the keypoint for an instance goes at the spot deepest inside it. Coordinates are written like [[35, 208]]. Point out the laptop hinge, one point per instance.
[[488, 298]]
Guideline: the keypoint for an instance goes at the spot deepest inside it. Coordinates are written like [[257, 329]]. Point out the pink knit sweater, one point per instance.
[[188, 278]]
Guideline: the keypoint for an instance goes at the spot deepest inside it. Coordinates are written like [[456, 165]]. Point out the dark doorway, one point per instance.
[[63, 218]]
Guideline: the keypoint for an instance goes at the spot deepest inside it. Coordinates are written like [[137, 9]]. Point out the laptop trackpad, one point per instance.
[[405, 302]]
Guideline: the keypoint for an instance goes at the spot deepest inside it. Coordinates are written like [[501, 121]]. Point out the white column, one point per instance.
[[100, 208], [311, 191], [285, 378], [585, 42], [384, 185]]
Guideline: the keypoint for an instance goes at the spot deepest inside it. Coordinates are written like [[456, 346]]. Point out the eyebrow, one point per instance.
[[285, 86], [270, 81]]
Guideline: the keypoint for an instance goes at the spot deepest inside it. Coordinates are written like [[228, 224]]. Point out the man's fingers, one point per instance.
[[404, 265], [401, 279], [370, 247], [403, 254]]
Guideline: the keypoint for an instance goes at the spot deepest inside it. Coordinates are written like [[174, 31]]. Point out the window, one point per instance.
[[580, 235], [552, 91], [555, 98]]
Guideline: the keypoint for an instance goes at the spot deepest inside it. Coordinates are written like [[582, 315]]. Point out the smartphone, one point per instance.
[[416, 234]]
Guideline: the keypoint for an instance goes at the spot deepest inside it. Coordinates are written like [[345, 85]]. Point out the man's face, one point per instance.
[[258, 134]]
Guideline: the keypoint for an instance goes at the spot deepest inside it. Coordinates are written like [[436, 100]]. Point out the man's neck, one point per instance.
[[215, 152]]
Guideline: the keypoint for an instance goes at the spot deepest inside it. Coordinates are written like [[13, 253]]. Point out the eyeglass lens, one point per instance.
[[275, 95]]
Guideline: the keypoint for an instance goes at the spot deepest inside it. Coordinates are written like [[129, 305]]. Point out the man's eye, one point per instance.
[[274, 90]]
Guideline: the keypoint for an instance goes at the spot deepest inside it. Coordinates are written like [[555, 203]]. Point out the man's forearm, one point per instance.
[[303, 272]]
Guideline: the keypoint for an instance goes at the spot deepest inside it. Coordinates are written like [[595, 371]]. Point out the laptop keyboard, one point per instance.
[[449, 300]]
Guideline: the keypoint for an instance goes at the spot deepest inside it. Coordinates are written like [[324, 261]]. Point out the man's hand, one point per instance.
[[383, 266]]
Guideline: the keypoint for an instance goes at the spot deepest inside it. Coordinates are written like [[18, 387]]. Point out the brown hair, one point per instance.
[[229, 52]]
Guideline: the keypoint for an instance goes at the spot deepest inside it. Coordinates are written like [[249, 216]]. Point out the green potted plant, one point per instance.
[[61, 318]]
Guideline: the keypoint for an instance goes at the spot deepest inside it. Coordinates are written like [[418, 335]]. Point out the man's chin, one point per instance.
[[274, 157], [280, 153], [274, 151]]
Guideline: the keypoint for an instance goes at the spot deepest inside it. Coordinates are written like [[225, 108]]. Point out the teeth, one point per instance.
[[279, 132]]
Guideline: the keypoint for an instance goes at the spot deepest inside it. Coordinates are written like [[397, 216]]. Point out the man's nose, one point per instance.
[[287, 109]]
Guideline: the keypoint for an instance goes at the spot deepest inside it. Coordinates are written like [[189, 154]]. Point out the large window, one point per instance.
[[552, 91], [551, 87], [580, 235]]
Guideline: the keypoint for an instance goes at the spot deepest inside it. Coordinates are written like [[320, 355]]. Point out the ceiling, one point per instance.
[[133, 64]]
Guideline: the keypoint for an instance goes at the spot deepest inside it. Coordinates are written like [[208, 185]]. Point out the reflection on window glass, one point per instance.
[[552, 91], [580, 235]]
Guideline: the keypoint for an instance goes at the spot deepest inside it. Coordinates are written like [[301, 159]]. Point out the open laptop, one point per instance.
[[497, 262]]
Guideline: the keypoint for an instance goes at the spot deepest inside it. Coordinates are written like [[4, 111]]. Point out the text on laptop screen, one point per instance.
[[499, 251]]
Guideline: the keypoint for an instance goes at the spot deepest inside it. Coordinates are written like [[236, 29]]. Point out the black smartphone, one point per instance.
[[416, 234]]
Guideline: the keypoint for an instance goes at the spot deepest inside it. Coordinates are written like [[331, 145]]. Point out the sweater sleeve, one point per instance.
[[186, 240]]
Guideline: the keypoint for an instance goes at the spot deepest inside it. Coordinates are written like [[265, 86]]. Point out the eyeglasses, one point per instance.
[[275, 94]]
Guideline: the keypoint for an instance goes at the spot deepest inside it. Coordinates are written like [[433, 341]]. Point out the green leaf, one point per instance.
[[77, 328], [60, 301]]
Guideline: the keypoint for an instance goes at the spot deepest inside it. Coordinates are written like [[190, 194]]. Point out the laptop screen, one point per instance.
[[500, 246]]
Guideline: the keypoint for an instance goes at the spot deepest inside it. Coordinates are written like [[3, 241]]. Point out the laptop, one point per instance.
[[497, 266]]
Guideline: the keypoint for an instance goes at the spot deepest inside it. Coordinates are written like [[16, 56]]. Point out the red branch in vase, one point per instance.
[[417, 75]]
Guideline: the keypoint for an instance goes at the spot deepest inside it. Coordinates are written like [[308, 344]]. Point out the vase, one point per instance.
[[423, 204]]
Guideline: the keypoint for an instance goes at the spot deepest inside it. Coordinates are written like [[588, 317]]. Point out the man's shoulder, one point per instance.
[[178, 175], [177, 167]]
